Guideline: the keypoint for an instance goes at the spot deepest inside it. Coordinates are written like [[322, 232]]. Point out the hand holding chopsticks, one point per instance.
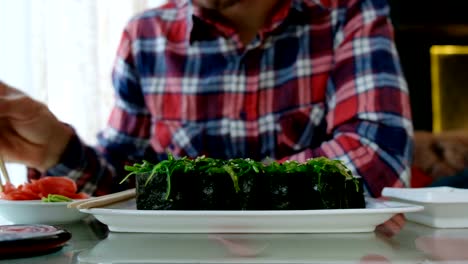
[[4, 173]]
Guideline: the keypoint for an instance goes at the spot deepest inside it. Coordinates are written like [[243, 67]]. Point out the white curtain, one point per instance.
[[61, 52]]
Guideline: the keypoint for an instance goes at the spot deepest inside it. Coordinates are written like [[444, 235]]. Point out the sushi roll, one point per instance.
[[244, 184]]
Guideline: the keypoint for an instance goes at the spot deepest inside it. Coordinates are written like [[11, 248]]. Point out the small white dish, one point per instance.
[[38, 212], [444, 207]]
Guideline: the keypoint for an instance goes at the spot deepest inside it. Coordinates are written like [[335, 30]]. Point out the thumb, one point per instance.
[[6, 89]]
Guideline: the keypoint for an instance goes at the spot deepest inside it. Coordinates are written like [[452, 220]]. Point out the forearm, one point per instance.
[[378, 153], [368, 112]]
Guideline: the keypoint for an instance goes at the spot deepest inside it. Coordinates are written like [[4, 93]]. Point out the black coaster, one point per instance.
[[30, 240]]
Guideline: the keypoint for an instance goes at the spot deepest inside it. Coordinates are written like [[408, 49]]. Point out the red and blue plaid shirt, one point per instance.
[[321, 79]]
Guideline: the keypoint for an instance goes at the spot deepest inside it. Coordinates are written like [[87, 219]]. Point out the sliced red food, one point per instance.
[[8, 187], [56, 185], [32, 187], [27, 193], [37, 189], [19, 195]]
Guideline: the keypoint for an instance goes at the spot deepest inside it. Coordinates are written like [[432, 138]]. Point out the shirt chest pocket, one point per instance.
[[300, 128]]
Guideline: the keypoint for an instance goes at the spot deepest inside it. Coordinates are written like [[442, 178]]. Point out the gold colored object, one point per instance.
[[449, 72]]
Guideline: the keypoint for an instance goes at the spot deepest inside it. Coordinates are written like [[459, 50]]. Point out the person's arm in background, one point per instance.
[[439, 155], [369, 116], [97, 171]]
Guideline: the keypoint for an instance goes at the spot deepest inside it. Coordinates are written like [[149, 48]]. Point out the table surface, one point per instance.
[[92, 243]]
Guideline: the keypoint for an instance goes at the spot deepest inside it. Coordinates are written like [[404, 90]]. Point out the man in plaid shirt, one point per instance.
[[291, 79]]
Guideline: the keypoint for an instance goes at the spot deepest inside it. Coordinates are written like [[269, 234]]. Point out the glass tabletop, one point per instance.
[[92, 243]]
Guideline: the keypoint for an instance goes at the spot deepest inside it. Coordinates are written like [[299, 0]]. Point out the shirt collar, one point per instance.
[[180, 3], [322, 3], [302, 6]]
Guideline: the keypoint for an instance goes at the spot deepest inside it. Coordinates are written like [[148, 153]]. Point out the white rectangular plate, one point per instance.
[[124, 218], [444, 207]]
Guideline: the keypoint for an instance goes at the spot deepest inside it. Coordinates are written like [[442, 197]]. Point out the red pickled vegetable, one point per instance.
[[36, 189]]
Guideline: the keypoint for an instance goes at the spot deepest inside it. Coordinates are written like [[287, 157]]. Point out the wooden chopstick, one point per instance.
[[1, 184], [4, 173], [103, 200]]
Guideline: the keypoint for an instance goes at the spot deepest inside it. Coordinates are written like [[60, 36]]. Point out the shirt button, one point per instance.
[[243, 115]]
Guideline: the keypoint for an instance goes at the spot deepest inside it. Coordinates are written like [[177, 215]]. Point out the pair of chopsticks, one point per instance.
[[4, 173], [104, 200]]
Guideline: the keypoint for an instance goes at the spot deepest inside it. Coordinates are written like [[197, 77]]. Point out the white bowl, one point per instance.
[[38, 212], [444, 207]]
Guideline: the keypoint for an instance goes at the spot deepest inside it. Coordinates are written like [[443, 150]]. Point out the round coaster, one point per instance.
[[29, 240]]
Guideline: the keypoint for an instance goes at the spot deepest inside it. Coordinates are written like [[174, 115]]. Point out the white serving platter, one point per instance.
[[444, 207], [125, 218]]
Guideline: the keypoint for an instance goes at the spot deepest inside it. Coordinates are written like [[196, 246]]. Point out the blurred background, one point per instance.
[[419, 25], [61, 52]]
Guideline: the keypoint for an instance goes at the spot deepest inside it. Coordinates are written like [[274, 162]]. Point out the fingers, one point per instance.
[[5, 89], [12, 101], [440, 155], [442, 169], [16, 149], [392, 226], [399, 219], [455, 149], [426, 159], [19, 107], [424, 156]]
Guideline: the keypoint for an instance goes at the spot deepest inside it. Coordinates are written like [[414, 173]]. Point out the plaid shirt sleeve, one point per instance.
[[369, 117]]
